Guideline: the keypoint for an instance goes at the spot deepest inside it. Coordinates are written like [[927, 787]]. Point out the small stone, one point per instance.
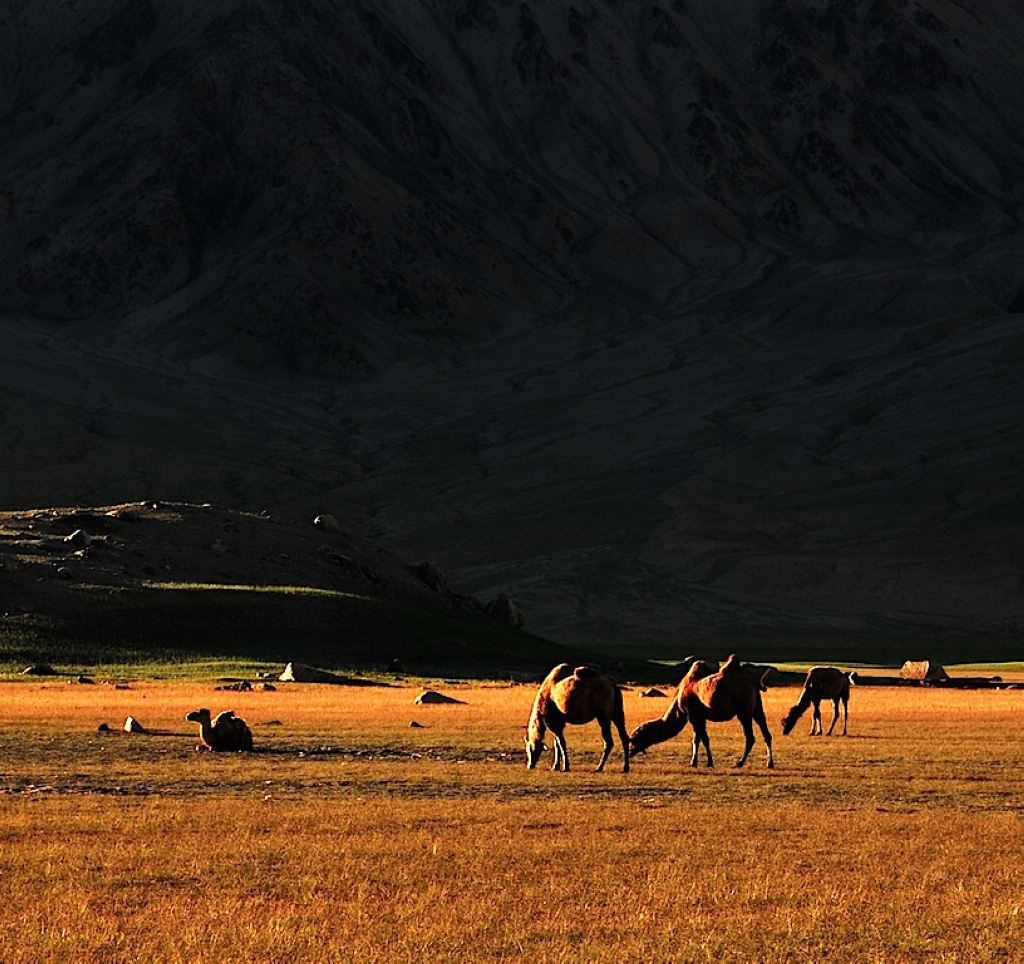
[[132, 725]]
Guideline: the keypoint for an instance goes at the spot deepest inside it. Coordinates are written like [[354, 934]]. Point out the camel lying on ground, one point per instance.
[[822, 683], [575, 696], [226, 733], [703, 697]]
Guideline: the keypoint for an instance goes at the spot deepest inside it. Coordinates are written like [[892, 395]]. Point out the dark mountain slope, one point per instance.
[[689, 319]]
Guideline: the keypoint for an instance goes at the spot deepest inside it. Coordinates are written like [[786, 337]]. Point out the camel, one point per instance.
[[702, 697], [822, 683], [226, 733], [575, 696]]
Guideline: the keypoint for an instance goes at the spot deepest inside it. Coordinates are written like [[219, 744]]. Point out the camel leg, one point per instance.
[[762, 725], [846, 712], [606, 735], [561, 751], [620, 725], [565, 751], [835, 714], [748, 736], [700, 736], [816, 719]]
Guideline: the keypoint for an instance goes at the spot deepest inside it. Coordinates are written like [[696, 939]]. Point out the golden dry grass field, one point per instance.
[[349, 835]]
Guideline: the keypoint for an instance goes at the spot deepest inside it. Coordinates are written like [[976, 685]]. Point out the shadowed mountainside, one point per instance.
[[678, 322]]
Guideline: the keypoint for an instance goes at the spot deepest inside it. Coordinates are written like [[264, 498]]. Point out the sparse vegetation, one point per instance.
[[349, 835]]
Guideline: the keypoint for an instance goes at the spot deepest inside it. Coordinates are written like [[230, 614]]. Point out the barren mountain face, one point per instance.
[[693, 322]]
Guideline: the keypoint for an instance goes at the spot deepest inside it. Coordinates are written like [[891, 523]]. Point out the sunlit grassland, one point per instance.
[[351, 835]]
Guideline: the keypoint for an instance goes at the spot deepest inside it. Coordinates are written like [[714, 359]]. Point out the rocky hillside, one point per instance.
[[115, 583], [673, 320]]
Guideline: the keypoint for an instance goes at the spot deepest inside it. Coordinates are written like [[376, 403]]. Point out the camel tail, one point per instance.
[[850, 676], [764, 680]]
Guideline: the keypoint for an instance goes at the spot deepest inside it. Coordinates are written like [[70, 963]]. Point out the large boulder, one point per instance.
[[432, 696], [327, 522], [503, 610], [922, 670], [300, 673]]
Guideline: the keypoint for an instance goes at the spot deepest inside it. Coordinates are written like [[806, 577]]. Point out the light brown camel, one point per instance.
[[822, 683], [226, 733], [575, 696], [702, 697]]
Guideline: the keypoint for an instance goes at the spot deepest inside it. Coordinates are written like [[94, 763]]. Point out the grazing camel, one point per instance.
[[822, 683], [576, 696], [702, 697], [227, 732]]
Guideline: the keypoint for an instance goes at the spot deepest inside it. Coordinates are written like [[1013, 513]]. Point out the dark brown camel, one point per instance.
[[703, 697], [575, 696], [226, 733], [822, 683]]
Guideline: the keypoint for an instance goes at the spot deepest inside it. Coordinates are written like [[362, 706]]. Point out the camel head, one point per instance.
[[655, 731], [202, 717], [789, 720]]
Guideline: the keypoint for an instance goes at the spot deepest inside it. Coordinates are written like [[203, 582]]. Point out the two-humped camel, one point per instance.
[[226, 733], [575, 696], [822, 683], [703, 697]]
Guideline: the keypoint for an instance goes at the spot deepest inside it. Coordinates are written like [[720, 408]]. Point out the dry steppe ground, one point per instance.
[[349, 835]]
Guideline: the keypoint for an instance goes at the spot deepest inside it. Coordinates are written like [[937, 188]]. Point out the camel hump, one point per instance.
[[585, 672], [560, 672], [731, 665], [224, 717]]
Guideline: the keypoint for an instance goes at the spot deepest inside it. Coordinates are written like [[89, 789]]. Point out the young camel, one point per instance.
[[702, 697], [227, 732], [575, 696], [822, 683]]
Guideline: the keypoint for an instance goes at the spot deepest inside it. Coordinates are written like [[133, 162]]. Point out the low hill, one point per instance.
[[178, 582]]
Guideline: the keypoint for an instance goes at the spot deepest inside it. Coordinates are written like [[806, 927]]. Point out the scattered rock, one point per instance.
[[242, 686], [65, 572], [432, 696], [39, 669], [132, 725], [652, 691], [266, 687], [415, 726], [79, 539], [103, 728], [85, 680]]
